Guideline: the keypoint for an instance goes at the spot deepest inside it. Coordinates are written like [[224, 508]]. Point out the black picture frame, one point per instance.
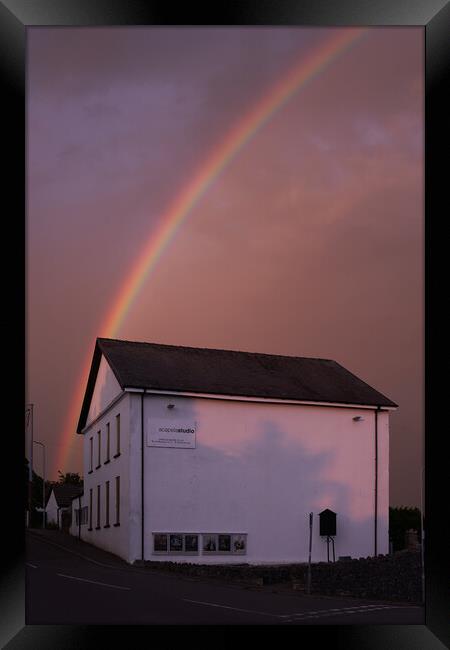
[[18, 15]]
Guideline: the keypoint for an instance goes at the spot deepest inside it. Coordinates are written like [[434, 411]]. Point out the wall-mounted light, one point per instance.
[[358, 418], [170, 406]]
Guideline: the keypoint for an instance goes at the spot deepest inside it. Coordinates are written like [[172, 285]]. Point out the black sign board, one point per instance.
[[327, 522]]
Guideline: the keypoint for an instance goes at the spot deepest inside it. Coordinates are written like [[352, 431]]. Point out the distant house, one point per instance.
[[219, 456], [59, 504]]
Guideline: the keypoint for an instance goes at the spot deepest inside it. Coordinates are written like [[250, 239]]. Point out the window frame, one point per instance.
[[91, 444], [81, 516], [108, 443], [90, 508], [99, 457], [177, 552], [117, 436], [98, 507], [106, 505], [232, 551], [117, 508]]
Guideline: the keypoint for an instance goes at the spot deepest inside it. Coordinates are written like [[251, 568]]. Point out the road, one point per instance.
[[65, 588]]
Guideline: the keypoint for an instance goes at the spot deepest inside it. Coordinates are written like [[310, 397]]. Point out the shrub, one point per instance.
[[400, 520]]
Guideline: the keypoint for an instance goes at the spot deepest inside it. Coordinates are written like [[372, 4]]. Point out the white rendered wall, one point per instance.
[[135, 504], [52, 509], [106, 389], [115, 538], [260, 468], [74, 528]]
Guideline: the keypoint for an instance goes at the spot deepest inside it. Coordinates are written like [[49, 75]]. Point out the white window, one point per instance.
[[99, 438], [186, 543], [91, 443], [117, 436], [98, 507], [84, 516], [107, 506], [117, 501], [224, 543], [90, 509], [108, 442]]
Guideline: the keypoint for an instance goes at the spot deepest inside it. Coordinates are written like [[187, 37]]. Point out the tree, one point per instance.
[[36, 495], [71, 478], [400, 520]]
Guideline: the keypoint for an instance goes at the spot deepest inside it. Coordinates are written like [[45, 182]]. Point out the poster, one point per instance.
[[171, 433]]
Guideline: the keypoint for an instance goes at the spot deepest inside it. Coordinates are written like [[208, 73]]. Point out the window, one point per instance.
[[107, 505], [239, 543], [108, 442], [224, 543], [191, 543], [160, 542], [210, 543], [98, 507], [117, 501], [84, 516], [175, 543], [91, 442], [90, 508], [117, 436], [99, 438]]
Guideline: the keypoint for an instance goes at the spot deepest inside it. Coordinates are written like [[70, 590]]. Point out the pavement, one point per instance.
[[71, 582]]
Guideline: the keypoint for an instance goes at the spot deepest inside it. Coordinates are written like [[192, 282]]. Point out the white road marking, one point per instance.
[[347, 610], [88, 559], [236, 609], [341, 609], [94, 582], [32, 565], [304, 615]]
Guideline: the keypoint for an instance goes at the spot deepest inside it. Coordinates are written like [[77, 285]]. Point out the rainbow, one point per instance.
[[246, 128]]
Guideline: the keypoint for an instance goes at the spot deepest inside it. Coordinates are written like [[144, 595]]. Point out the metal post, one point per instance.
[[375, 549], [79, 517], [43, 482], [30, 407], [29, 412], [310, 547], [422, 535], [43, 494]]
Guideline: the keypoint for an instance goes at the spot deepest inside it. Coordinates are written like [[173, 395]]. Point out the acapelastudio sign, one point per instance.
[[171, 433]]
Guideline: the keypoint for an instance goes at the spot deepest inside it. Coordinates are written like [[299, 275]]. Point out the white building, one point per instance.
[[211, 456], [59, 504]]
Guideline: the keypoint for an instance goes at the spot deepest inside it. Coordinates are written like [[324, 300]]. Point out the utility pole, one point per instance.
[[29, 419], [422, 540], [310, 547], [36, 442]]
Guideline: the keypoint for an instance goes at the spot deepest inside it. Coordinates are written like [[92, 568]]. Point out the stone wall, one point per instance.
[[387, 577], [394, 577]]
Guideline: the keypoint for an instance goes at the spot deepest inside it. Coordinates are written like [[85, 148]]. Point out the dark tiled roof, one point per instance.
[[227, 372], [65, 493]]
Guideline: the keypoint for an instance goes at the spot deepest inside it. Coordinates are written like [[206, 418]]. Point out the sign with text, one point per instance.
[[171, 433]]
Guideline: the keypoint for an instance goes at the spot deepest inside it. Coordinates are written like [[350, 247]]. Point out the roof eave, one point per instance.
[[387, 405]]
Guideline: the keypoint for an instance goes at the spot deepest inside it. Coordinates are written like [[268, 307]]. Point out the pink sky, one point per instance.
[[310, 243]]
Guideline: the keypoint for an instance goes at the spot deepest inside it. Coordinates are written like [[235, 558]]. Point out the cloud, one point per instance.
[[320, 211]]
